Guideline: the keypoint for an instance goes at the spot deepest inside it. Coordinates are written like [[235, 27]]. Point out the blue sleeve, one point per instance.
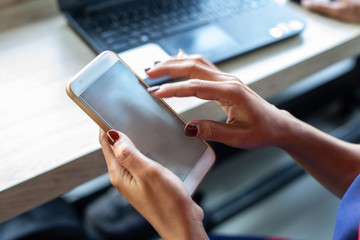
[[348, 215]]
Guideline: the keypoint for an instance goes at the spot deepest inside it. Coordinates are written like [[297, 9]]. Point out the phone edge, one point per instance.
[[191, 188]]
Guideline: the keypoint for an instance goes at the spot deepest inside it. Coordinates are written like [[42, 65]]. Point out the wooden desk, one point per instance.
[[49, 146]]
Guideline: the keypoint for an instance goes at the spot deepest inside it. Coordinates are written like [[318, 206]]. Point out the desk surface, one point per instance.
[[49, 146]]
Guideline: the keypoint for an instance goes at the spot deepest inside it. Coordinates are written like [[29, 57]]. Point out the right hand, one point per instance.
[[252, 122]]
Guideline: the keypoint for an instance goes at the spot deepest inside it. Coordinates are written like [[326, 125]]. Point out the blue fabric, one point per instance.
[[348, 215]]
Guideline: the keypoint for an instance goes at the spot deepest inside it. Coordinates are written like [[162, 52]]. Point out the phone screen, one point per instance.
[[120, 99]]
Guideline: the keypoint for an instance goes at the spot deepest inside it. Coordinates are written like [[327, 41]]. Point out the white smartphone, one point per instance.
[[117, 98]]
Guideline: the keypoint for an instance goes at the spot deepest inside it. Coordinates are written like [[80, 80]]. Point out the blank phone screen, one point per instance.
[[123, 103]]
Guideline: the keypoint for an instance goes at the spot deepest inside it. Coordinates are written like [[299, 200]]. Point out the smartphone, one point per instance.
[[115, 97]]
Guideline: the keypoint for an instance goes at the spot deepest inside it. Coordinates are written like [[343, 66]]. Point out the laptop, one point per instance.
[[144, 31]]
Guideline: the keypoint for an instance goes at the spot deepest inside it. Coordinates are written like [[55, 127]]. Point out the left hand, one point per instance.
[[153, 190], [345, 10]]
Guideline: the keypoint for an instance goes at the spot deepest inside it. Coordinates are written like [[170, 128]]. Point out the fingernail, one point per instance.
[[191, 130], [147, 69], [112, 136], [153, 89], [156, 62]]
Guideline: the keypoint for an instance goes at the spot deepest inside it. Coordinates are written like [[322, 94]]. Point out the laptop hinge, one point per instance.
[[105, 4], [88, 5], [71, 5]]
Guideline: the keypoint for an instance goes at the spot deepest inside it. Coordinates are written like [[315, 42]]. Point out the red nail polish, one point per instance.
[[156, 62], [147, 69], [191, 130], [112, 136]]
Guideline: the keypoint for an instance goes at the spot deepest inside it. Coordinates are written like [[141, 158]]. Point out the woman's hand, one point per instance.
[[155, 192], [345, 10], [252, 122]]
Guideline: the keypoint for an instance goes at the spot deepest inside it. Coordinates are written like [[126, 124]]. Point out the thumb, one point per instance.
[[213, 131], [125, 153]]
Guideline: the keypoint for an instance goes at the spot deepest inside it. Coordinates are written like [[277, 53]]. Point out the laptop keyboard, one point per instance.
[[146, 21]]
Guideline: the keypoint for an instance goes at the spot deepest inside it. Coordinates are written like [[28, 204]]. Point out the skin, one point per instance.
[[252, 123], [345, 10], [158, 200]]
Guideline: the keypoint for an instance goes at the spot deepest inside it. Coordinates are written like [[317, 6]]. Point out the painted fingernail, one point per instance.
[[147, 69], [112, 136], [191, 130], [156, 62], [153, 89]]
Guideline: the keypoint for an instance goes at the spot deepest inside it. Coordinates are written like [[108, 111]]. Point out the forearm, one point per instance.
[[334, 163]]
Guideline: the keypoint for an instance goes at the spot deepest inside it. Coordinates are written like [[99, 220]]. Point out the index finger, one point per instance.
[[190, 67], [207, 90]]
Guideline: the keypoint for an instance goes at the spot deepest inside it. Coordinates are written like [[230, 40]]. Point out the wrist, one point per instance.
[[295, 136], [288, 130]]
